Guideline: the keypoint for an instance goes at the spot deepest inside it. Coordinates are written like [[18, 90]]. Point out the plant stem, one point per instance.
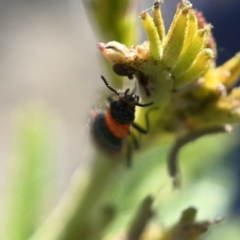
[[71, 217]]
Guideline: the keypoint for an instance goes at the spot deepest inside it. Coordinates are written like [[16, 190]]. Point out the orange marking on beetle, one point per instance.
[[117, 129]]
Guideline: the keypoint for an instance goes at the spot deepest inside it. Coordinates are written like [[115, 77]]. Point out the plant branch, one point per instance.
[[184, 140]]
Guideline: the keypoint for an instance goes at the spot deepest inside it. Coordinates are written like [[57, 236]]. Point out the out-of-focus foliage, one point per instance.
[[30, 171], [113, 202], [114, 20]]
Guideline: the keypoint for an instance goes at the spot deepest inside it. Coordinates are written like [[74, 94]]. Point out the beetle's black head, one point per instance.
[[123, 109]]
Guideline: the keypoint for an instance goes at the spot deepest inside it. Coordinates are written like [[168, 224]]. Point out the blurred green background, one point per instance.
[[50, 80]]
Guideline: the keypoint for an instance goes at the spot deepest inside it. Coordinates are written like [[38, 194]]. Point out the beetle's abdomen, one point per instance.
[[117, 129], [103, 135]]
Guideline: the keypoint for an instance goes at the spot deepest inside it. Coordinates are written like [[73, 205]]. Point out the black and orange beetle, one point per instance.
[[111, 127]]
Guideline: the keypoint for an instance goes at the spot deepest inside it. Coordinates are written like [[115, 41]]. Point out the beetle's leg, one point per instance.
[[141, 129], [129, 155], [135, 141], [129, 150]]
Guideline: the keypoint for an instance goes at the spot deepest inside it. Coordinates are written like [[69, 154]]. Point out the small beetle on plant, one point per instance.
[[111, 127]]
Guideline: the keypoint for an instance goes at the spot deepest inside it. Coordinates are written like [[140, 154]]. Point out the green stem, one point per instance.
[[71, 217], [144, 214]]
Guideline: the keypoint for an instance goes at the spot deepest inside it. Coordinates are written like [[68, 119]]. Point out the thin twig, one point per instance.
[[144, 213], [182, 141]]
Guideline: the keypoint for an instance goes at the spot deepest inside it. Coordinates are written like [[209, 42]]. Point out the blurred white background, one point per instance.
[[48, 62]]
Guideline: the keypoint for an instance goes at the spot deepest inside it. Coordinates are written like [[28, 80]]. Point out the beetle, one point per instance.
[[112, 126]]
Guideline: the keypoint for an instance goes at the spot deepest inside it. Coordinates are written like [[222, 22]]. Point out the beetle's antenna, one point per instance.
[[126, 92], [109, 86]]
